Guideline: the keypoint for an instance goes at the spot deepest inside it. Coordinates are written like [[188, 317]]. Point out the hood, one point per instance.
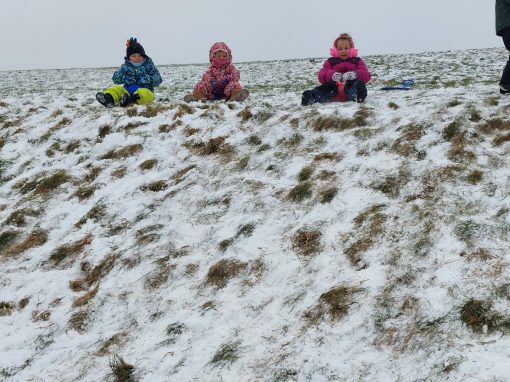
[[219, 46]]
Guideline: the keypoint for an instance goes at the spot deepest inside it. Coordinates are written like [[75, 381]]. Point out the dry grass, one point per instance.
[[91, 276], [212, 147], [182, 110], [92, 174], [495, 124], [226, 355], [327, 194], [123, 152], [476, 314], [96, 213], [223, 271], [121, 371], [332, 156], [6, 308], [245, 114], [165, 128], [156, 186], [35, 239], [66, 254], [160, 275], [41, 315], [79, 321], [85, 299], [119, 172], [405, 145], [475, 177], [499, 140], [84, 192], [305, 173], [334, 304], [43, 185], [154, 109], [300, 192], [307, 242], [369, 225], [333, 122], [116, 341], [104, 131]]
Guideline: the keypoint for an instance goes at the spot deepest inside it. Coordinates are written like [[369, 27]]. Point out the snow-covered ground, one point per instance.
[[261, 241]]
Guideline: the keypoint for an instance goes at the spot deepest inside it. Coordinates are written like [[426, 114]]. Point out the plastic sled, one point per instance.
[[404, 85]]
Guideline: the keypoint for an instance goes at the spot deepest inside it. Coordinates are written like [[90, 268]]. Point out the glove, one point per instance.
[[349, 76], [337, 77]]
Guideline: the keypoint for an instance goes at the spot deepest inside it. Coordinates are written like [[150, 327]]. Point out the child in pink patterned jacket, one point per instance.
[[221, 80], [343, 75]]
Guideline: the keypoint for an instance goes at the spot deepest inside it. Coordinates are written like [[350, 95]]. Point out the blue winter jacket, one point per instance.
[[145, 75]]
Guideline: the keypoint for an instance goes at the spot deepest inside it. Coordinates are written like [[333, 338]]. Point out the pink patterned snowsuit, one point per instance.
[[222, 78]]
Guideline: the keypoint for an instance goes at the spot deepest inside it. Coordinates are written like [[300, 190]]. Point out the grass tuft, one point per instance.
[[306, 242], [223, 271], [305, 173], [124, 152], [300, 192], [6, 308], [245, 114], [35, 239], [326, 195], [226, 355], [334, 304], [64, 255], [121, 371]]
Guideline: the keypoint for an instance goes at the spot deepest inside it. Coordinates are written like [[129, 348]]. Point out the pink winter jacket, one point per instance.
[[334, 64], [224, 74]]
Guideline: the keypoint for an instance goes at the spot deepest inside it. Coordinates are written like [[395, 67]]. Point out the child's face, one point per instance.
[[136, 57], [344, 48], [220, 54]]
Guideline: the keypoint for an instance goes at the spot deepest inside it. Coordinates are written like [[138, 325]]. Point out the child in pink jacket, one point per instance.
[[221, 80], [343, 75]]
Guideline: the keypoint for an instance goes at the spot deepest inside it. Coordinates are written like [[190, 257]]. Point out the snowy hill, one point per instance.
[[260, 241]]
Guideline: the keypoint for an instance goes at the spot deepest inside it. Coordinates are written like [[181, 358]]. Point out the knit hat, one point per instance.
[[133, 46], [219, 46], [344, 36]]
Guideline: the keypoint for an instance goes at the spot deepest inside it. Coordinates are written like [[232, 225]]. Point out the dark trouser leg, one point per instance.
[[321, 94], [355, 91], [505, 77]]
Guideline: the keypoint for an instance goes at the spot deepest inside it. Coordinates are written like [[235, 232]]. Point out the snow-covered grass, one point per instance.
[[261, 241]]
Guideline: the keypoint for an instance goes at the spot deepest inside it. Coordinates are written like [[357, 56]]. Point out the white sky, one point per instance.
[[77, 33]]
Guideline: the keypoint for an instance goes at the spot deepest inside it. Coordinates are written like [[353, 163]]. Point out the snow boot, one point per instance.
[[504, 89], [239, 95], [194, 97], [307, 98], [105, 99], [127, 99]]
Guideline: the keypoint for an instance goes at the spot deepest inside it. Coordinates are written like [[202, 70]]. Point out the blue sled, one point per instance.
[[404, 85]]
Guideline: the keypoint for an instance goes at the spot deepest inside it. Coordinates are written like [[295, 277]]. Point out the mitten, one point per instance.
[[349, 76], [337, 77]]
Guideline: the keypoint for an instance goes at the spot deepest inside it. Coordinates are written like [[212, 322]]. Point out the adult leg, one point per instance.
[[504, 83]]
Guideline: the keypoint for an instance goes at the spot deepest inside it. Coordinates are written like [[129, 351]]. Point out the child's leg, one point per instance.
[[235, 92], [146, 96], [232, 88], [505, 77], [355, 91], [203, 90], [116, 91], [322, 94]]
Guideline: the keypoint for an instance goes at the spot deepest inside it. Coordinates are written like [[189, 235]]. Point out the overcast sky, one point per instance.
[[92, 33]]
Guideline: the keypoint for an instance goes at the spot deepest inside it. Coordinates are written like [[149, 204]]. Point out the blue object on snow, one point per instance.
[[404, 85]]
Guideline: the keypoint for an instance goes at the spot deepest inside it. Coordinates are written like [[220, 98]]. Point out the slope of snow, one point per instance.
[[193, 267]]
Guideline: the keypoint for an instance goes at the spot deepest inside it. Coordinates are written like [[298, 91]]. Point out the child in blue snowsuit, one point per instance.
[[137, 78]]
